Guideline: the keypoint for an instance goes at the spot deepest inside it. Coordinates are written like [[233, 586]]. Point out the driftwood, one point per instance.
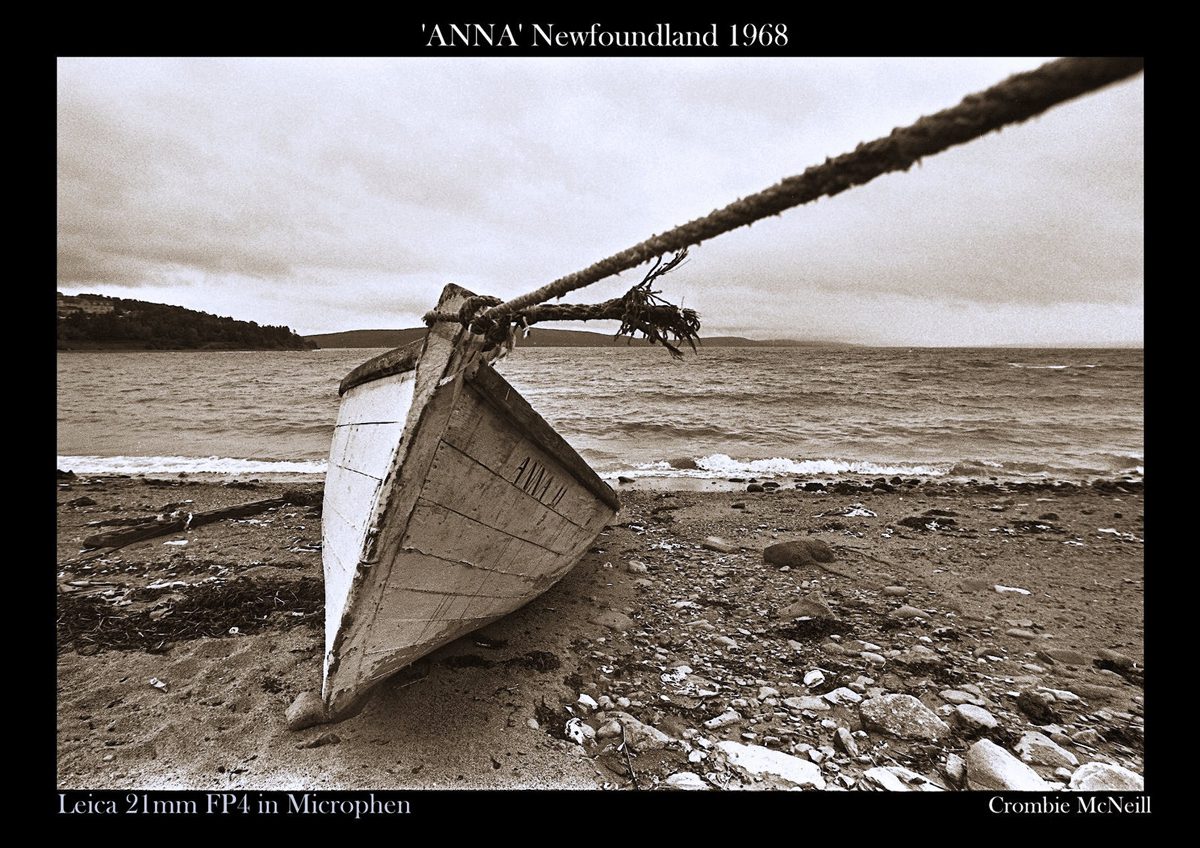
[[176, 521]]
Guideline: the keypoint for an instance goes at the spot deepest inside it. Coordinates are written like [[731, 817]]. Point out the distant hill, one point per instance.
[[96, 322], [537, 338]]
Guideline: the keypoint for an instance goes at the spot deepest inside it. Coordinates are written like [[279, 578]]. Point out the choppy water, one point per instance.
[[1062, 414]]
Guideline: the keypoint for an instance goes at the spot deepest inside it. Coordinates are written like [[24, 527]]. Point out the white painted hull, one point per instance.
[[448, 504]]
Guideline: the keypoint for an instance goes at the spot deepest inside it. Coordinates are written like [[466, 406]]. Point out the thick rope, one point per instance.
[[1016, 99]]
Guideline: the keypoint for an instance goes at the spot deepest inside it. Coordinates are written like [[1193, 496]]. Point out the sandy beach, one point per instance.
[[913, 620]]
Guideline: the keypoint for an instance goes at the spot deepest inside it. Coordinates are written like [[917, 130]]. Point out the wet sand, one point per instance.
[[229, 625]]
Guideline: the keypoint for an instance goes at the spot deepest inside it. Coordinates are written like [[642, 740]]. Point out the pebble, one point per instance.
[[872, 658], [323, 740], [636, 567], [1095, 692], [726, 641], [897, 779], [1064, 656], [1105, 777], [844, 740], [955, 769], [904, 717], [586, 700], [765, 692], [724, 719], [908, 612], [1086, 737], [1040, 750], [798, 553], [1114, 658], [814, 678], [771, 769], [1021, 633], [959, 696], [812, 605], [639, 735], [895, 591], [716, 543], [842, 695], [807, 702], [973, 719], [687, 781], [990, 767], [307, 710]]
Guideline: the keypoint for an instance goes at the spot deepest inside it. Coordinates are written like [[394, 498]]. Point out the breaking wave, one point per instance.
[[185, 464]]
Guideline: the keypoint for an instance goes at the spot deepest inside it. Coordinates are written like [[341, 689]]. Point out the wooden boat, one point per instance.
[[449, 503]]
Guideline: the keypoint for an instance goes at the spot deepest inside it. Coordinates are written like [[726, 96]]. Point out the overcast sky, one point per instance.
[[342, 194]]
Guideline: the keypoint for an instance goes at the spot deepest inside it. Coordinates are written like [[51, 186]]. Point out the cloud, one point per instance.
[[345, 192]]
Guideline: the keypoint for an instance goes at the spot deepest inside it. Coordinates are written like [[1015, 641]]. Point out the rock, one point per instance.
[[844, 740], [723, 720], [1040, 750], [990, 767], [1104, 777], [974, 720], [624, 479], [765, 692], [842, 695], [958, 696], [307, 710], [1021, 633], [907, 612], [904, 717], [873, 658], [586, 700], [798, 553], [638, 735], [754, 487], [814, 678], [579, 732], [1038, 707], [683, 463], [1086, 737], [1115, 660], [64, 475], [726, 641], [895, 591], [1095, 692], [812, 606], [636, 567], [896, 779], [738, 505], [807, 702], [84, 501], [613, 620], [1064, 656], [955, 770], [716, 543], [686, 780], [323, 740], [532, 724], [771, 769], [975, 584]]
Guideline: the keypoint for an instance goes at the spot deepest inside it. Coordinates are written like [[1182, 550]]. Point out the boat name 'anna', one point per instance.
[[533, 479]]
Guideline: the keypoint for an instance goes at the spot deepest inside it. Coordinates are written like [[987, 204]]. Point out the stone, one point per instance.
[[613, 620], [1095, 693], [1021, 633], [798, 553], [842, 695], [754, 487], [726, 641], [814, 678], [636, 567], [1039, 749], [686, 781], [1038, 707], [587, 701], [765, 692], [955, 770], [579, 732], [973, 720], [907, 612], [812, 605], [990, 767], [1115, 660], [896, 779], [1086, 736], [843, 739], [807, 702], [716, 543], [895, 591], [958, 696], [323, 740], [903, 717], [1105, 777], [1064, 656], [873, 658], [975, 584], [771, 769], [638, 735], [307, 710], [723, 720]]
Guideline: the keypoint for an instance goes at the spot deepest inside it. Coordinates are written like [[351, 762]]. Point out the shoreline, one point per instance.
[[678, 581]]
